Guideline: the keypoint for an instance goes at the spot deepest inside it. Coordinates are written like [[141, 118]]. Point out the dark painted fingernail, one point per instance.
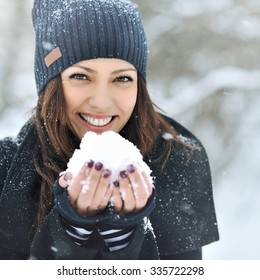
[[106, 173], [90, 163], [98, 166], [67, 176], [131, 168], [123, 174], [116, 184]]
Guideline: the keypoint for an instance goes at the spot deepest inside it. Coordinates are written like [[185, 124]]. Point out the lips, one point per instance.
[[98, 122]]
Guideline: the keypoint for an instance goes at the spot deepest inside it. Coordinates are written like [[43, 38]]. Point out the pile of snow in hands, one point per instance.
[[109, 148]]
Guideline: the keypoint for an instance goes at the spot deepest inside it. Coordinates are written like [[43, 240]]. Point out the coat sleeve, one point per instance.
[[18, 200], [184, 218], [8, 148], [52, 242]]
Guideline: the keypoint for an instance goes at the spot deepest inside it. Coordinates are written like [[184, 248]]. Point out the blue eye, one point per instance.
[[79, 76], [124, 79]]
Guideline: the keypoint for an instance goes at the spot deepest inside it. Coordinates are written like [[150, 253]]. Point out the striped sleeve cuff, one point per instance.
[[79, 235], [116, 239]]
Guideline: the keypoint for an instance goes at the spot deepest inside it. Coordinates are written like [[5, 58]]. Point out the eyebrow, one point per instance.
[[114, 72]]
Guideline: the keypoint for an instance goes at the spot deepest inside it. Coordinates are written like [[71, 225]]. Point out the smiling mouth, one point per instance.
[[96, 122]]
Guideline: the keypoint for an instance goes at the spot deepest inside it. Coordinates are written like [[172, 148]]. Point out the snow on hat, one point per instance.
[[69, 31]]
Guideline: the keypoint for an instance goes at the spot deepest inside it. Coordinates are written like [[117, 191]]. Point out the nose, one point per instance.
[[100, 98]]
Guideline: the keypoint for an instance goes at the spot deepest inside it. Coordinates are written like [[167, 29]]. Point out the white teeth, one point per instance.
[[96, 122]]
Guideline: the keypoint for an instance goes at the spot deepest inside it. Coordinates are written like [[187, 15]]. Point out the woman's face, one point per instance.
[[100, 94]]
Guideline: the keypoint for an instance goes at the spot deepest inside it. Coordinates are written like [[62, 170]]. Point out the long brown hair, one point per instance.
[[56, 142]]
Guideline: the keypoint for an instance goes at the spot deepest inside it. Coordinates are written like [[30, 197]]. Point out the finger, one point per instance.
[[89, 186], [139, 185], [149, 181], [65, 179], [126, 192], [106, 198], [116, 199], [101, 191], [75, 188]]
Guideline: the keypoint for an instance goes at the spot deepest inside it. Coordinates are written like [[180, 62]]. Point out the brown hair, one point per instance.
[[56, 142]]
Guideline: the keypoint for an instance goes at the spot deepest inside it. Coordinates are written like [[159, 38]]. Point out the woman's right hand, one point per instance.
[[90, 191]]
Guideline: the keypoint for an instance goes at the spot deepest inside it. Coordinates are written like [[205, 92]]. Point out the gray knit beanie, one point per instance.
[[69, 31]]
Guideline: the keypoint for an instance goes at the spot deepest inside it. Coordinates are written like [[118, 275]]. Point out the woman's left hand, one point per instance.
[[132, 191]]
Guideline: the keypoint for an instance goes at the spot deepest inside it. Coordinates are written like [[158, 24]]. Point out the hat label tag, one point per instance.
[[52, 57]]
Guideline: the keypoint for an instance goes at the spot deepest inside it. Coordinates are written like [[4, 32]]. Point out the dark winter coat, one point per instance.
[[183, 220]]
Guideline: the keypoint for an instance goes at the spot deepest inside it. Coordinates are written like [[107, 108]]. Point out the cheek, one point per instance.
[[71, 105], [71, 101], [128, 103], [132, 105]]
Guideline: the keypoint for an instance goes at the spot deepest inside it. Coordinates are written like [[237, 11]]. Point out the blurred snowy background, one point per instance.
[[204, 71]]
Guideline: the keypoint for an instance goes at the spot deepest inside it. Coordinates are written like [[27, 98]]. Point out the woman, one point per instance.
[[90, 70]]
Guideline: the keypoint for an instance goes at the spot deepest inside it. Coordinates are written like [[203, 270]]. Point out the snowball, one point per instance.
[[109, 148]]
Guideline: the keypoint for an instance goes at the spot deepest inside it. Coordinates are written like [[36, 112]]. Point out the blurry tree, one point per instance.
[[204, 68], [16, 58]]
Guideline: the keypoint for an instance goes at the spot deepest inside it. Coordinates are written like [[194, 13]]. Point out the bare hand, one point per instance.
[[132, 191], [91, 191]]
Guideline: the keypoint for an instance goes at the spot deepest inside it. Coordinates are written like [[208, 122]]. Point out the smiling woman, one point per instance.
[[96, 92], [90, 72]]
